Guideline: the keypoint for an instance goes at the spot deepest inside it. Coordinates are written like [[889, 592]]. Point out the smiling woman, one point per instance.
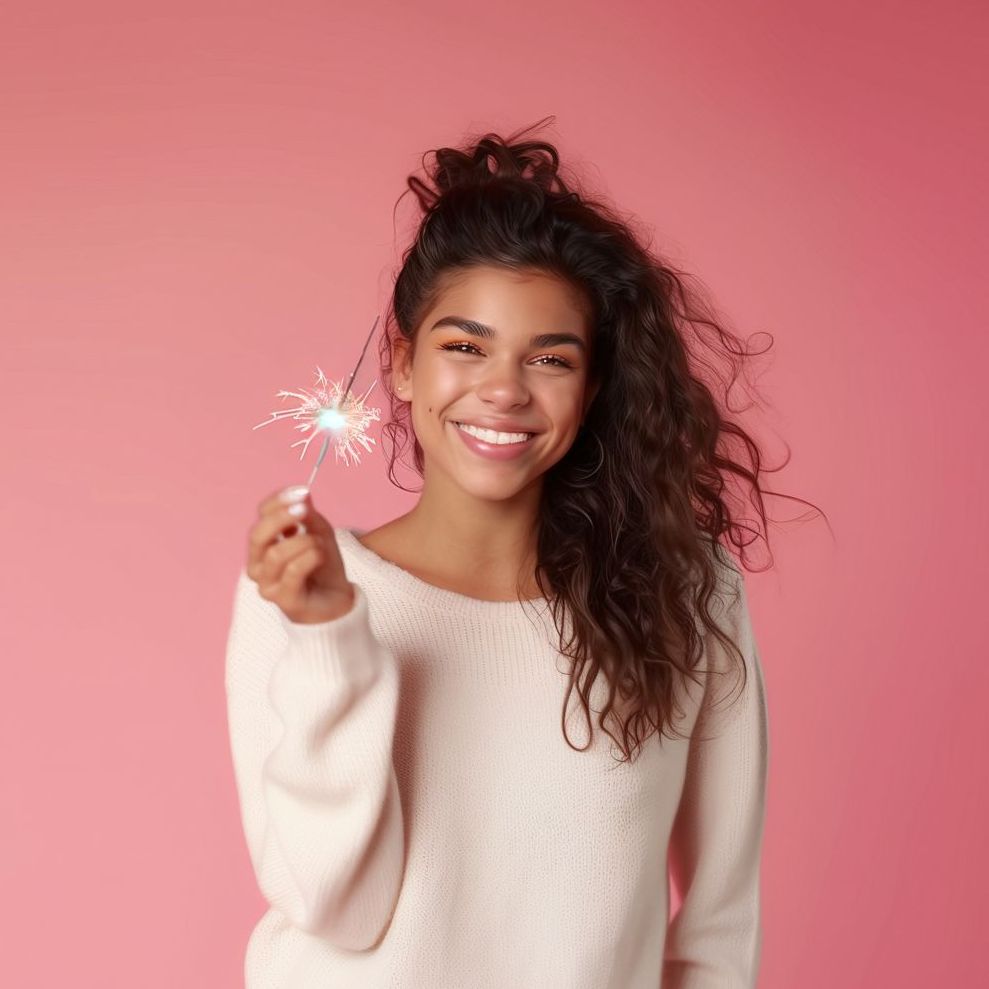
[[514, 392], [400, 699]]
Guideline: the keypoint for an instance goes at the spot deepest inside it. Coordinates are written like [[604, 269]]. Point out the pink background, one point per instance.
[[196, 207]]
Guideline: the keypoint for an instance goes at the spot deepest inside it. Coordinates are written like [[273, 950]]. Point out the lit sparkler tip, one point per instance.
[[332, 409], [326, 409]]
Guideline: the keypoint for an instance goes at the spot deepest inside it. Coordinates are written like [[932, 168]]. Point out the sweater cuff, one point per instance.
[[341, 646]]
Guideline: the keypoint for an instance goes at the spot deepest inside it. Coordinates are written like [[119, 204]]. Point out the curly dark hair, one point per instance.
[[631, 517]]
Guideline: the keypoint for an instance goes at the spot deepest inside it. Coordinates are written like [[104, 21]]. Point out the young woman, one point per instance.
[[404, 702]]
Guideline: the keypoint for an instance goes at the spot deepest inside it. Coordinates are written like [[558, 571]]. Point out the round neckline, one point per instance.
[[422, 590]]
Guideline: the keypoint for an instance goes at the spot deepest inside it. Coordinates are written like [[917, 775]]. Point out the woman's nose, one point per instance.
[[503, 387]]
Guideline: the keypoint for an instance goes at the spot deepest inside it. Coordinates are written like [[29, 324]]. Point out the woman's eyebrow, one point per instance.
[[483, 330]]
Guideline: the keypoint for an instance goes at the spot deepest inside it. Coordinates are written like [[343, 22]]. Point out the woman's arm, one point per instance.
[[311, 712], [714, 941]]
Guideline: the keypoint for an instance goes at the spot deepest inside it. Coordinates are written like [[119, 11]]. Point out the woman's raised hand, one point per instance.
[[302, 573]]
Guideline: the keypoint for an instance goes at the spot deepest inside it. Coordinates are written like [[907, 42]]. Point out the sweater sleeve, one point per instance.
[[714, 941], [311, 715]]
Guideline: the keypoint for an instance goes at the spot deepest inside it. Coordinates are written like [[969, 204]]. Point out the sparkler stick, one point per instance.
[[333, 411]]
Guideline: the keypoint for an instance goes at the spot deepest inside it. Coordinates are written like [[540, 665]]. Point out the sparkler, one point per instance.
[[334, 411]]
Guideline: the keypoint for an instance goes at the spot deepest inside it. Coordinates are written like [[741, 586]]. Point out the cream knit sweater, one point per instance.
[[416, 820]]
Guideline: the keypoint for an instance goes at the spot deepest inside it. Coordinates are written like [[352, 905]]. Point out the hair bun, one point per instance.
[[491, 159]]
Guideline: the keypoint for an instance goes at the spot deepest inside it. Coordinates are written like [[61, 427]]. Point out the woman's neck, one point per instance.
[[491, 556]]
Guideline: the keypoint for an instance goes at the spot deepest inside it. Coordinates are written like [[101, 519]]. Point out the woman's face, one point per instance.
[[495, 372]]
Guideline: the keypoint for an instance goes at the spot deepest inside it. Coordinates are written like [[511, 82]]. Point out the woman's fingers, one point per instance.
[[296, 570], [282, 497], [279, 560], [264, 534], [294, 558], [277, 527]]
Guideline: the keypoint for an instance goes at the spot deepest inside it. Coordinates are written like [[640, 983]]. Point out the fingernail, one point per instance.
[[298, 509], [296, 493]]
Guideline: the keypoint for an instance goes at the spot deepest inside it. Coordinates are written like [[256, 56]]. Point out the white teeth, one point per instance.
[[490, 436]]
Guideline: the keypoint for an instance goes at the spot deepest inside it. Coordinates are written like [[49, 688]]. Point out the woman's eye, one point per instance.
[[552, 358], [454, 346]]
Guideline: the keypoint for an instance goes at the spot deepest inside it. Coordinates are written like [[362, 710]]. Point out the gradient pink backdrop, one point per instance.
[[196, 205]]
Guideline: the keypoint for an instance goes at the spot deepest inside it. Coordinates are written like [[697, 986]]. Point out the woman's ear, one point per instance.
[[402, 368]]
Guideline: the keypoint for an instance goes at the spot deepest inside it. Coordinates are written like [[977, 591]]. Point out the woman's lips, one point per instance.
[[493, 451]]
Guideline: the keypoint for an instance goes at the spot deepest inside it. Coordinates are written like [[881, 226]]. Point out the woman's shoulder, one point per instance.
[[388, 542], [367, 550]]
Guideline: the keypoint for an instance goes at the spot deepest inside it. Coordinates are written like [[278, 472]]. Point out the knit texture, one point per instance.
[[415, 818]]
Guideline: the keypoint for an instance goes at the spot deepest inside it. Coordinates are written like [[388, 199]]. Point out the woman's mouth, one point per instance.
[[493, 444]]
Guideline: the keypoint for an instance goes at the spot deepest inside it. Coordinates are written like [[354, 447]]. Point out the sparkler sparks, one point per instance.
[[332, 409]]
